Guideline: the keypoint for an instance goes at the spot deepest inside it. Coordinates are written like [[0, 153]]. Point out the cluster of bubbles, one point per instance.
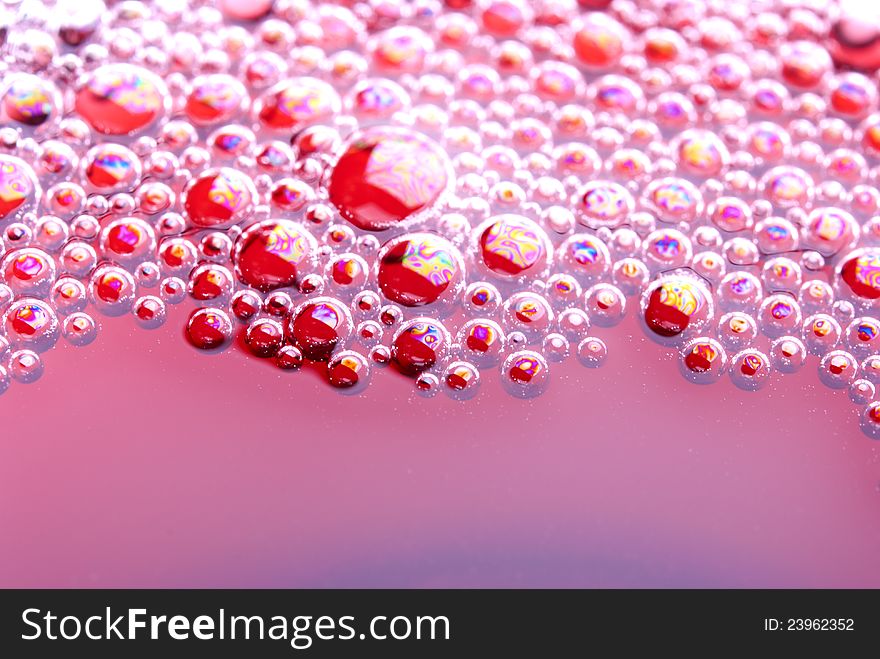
[[446, 187]]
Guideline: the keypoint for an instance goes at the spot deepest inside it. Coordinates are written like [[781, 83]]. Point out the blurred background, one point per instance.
[[138, 462]]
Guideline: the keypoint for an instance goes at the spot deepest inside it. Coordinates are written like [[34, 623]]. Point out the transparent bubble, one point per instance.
[[149, 311], [605, 304], [779, 314], [750, 369], [79, 328], [862, 392], [525, 374], [787, 354], [25, 366], [592, 352], [737, 329], [838, 369], [462, 380], [427, 385], [862, 336], [348, 371], [703, 360]]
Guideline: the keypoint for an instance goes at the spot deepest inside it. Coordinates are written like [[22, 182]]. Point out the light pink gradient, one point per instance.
[[138, 462]]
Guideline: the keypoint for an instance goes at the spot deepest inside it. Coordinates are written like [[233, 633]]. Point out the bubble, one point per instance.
[[674, 306], [149, 311], [852, 95], [701, 153], [482, 341], [750, 369], [862, 392], [112, 290], [418, 344], [112, 168], [870, 368], [294, 103], [666, 249], [603, 203], [528, 312], [219, 198], [271, 254], [863, 336], [30, 323], [739, 290], [830, 230], [592, 352], [347, 272], [209, 328], [25, 366], [859, 272], [128, 240], [388, 175], [121, 99], [787, 187], [555, 347], [419, 269], [319, 327], [779, 314], [427, 385], [348, 371], [562, 290], [674, 199], [821, 333], [870, 420], [172, 290], [210, 282], [525, 374], [584, 256], [838, 369], [377, 98], [513, 246], [28, 100], [28, 271], [481, 298], [215, 98], [737, 329], [605, 305], [703, 360], [19, 189], [462, 380], [788, 354]]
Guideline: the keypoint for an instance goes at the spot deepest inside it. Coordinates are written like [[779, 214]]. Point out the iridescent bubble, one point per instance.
[[863, 336], [788, 354], [779, 314], [737, 329], [602, 203], [295, 103], [19, 189], [562, 290], [348, 371], [838, 369], [739, 290], [860, 273], [528, 312], [388, 175], [215, 98], [701, 153], [30, 323], [750, 369], [121, 99], [271, 254], [674, 199], [149, 311], [482, 341], [630, 275], [219, 198], [28, 271], [462, 380], [128, 240], [513, 246], [821, 332], [29, 100], [787, 186], [112, 290], [419, 269], [605, 304], [525, 374], [830, 230], [319, 327], [674, 306], [110, 167], [585, 256], [703, 360], [592, 352], [209, 329], [666, 249]]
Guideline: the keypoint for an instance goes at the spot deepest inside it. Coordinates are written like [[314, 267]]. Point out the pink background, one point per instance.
[[138, 462]]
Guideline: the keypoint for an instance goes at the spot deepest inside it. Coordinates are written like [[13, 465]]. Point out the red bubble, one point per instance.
[[319, 327], [208, 328], [270, 254]]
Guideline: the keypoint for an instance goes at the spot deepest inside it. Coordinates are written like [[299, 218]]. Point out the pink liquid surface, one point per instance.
[[138, 462]]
